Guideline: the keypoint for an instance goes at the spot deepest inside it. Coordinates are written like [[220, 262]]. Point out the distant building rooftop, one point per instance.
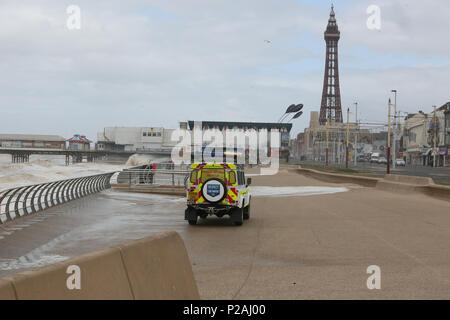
[[79, 138], [31, 137], [240, 125]]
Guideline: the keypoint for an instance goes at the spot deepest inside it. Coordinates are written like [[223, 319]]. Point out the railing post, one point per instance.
[[11, 196], [108, 180], [39, 196], [72, 189], [67, 190], [24, 202], [55, 192], [58, 191], [6, 194], [26, 198], [76, 188], [80, 187], [48, 192], [89, 185], [97, 184], [103, 183]]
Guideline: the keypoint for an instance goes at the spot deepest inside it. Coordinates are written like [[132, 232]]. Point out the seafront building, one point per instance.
[[312, 143], [79, 142], [134, 138], [158, 139], [32, 141]]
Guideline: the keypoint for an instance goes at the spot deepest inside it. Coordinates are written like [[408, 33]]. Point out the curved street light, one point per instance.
[[288, 110], [291, 109], [298, 114], [297, 108]]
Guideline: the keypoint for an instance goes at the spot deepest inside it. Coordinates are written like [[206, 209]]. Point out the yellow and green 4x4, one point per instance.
[[217, 189]]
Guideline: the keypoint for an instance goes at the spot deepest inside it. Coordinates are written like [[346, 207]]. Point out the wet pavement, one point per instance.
[[104, 220], [85, 225]]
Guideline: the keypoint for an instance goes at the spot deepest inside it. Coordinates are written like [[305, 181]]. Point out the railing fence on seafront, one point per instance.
[[26, 200], [155, 177]]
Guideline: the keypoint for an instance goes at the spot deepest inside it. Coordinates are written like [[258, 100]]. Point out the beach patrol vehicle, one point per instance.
[[217, 189]]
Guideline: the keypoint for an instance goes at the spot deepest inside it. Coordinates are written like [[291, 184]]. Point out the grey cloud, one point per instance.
[[198, 59]]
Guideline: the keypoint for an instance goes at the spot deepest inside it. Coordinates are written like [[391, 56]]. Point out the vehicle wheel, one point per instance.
[[238, 216], [247, 212], [191, 216]]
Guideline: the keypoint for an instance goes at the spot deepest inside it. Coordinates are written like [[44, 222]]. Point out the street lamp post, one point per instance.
[[326, 150], [435, 136], [395, 129], [293, 108], [388, 167], [346, 145], [356, 132]]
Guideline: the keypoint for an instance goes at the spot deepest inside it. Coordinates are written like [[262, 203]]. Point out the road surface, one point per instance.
[[309, 245]]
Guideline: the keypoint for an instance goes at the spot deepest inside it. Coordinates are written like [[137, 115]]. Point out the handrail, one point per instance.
[[28, 199], [148, 176]]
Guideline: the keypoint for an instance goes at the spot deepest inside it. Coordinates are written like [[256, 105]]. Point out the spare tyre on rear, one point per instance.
[[214, 190]]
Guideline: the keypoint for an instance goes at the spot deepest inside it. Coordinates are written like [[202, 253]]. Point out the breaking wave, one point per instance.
[[45, 168]]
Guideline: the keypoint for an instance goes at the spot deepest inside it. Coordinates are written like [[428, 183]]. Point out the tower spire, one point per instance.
[[330, 107]]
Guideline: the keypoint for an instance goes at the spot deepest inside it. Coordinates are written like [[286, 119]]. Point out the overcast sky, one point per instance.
[[158, 62]]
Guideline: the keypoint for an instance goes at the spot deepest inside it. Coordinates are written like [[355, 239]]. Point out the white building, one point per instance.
[[134, 138], [423, 132]]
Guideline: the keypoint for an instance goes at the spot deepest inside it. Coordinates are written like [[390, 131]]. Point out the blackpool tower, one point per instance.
[[330, 108]]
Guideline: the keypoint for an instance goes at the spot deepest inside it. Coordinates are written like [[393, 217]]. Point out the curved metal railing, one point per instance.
[[158, 174], [155, 177], [26, 200]]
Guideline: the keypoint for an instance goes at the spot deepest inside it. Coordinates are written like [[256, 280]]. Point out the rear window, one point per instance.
[[232, 177], [209, 173], [193, 178]]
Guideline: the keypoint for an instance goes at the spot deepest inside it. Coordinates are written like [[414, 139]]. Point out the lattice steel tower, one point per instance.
[[331, 95]]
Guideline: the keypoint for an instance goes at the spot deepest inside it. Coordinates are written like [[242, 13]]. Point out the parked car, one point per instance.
[[382, 160], [400, 162], [361, 158]]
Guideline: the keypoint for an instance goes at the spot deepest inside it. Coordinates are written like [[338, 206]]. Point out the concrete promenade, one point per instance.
[[309, 246], [319, 247]]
